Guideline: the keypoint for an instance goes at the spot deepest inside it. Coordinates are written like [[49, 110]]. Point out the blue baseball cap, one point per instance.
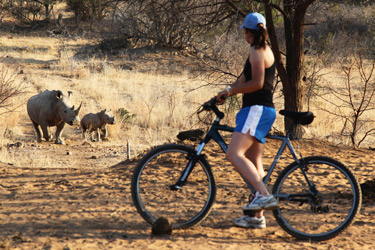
[[252, 20]]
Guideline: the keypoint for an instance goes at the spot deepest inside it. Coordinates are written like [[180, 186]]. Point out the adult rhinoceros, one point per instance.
[[51, 108]]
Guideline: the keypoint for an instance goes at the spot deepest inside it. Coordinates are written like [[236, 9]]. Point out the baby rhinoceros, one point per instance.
[[97, 123]]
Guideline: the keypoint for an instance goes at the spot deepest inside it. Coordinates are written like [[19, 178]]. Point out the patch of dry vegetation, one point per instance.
[[156, 102], [153, 93], [157, 92]]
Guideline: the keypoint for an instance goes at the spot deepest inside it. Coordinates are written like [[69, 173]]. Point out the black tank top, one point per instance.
[[263, 96]]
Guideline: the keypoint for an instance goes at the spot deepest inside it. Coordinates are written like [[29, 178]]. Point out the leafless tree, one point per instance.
[[11, 86], [92, 10], [48, 6], [28, 11], [175, 24], [354, 102]]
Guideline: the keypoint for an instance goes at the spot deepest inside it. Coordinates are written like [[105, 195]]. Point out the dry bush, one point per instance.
[[344, 101], [338, 25], [12, 89], [91, 9], [178, 24]]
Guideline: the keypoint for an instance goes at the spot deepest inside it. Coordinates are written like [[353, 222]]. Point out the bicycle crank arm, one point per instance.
[[302, 198]]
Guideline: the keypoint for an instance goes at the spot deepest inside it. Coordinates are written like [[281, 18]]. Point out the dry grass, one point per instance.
[[155, 89], [160, 103]]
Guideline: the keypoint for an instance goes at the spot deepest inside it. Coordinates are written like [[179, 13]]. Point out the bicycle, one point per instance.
[[176, 181]]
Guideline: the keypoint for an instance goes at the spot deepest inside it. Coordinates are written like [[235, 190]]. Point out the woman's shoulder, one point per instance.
[[262, 55], [256, 53]]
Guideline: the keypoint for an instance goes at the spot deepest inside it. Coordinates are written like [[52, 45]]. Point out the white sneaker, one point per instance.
[[261, 202], [250, 222]]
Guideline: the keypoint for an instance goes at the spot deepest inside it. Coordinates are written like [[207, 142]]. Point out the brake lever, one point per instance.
[[211, 106]]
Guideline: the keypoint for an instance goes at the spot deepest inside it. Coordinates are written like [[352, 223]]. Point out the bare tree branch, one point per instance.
[[10, 87]]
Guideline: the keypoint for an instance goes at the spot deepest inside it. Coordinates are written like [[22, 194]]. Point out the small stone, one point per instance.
[[162, 226]]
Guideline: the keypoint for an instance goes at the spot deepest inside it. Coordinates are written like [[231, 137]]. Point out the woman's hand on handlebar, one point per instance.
[[222, 96]]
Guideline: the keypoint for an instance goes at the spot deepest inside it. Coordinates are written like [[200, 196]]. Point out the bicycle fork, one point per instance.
[[193, 158]]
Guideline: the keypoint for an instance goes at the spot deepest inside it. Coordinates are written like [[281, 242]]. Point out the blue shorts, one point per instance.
[[256, 121]]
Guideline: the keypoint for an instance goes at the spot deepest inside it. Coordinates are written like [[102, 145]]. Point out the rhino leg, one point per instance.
[[92, 137], [59, 130], [105, 133], [45, 130], [98, 132], [84, 134], [38, 132], [90, 134]]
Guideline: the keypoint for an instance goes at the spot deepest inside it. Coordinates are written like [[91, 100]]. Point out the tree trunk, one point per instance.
[[48, 8], [290, 74], [294, 89]]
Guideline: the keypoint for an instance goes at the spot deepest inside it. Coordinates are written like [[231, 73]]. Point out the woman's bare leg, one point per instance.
[[257, 160], [241, 149]]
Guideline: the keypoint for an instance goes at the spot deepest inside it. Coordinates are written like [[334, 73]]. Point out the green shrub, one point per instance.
[[124, 115]]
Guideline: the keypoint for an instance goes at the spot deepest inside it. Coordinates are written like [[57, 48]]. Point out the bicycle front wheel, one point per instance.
[[319, 202], [152, 191]]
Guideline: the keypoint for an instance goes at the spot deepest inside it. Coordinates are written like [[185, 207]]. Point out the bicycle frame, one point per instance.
[[213, 134], [294, 187]]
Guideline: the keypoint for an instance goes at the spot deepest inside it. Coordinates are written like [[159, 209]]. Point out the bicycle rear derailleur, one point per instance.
[[316, 204]]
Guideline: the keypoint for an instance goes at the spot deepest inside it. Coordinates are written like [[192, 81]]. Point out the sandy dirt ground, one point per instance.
[[83, 201]]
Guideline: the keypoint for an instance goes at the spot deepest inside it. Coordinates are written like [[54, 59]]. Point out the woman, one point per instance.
[[255, 119]]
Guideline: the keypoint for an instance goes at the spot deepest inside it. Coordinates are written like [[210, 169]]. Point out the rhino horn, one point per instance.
[[79, 108]]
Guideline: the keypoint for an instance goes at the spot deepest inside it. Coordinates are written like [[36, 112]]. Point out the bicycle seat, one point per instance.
[[303, 118], [191, 135]]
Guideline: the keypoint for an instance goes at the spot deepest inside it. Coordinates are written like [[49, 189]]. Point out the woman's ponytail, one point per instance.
[[260, 37]]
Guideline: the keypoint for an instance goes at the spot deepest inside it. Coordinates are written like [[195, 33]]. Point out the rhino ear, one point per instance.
[[79, 108], [72, 108], [59, 94]]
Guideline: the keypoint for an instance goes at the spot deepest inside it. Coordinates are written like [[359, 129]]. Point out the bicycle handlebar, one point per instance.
[[303, 118], [211, 106]]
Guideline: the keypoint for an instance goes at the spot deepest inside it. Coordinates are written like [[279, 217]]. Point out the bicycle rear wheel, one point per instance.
[[321, 215], [151, 188]]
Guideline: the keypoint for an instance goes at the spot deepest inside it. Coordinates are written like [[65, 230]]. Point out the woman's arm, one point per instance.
[[240, 80]]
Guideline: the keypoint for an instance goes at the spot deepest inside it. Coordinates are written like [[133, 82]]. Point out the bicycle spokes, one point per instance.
[[327, 206], [155, 192]]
